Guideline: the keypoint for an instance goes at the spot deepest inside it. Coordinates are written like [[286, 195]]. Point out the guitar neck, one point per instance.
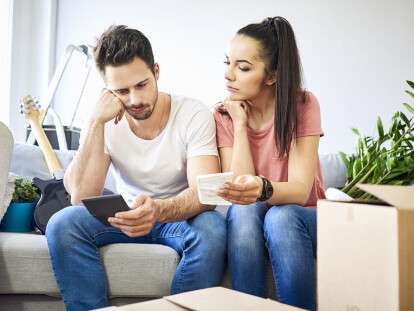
[[52, 161]]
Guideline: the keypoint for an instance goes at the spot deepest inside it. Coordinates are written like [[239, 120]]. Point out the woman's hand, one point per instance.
[[238, 111], [245, 189]]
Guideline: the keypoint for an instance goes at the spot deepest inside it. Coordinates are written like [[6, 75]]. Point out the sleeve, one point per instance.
[[224, 129], [201, 135], [309, 117]]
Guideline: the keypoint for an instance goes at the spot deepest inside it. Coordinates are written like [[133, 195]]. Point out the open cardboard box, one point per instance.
[[214, 298], [366, 252]]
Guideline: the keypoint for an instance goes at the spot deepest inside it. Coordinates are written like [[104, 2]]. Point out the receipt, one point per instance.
[[208, 185]]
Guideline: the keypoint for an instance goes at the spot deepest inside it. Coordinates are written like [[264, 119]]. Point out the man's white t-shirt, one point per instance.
[[157, 167]]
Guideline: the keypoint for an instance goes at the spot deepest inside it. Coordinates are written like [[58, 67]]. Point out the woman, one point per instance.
[[268, 133]]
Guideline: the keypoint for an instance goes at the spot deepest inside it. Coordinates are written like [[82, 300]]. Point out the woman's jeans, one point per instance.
[[288, 232], [74, 237]]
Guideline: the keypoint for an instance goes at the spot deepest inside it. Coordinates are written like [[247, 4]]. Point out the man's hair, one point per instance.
[[119, 45]]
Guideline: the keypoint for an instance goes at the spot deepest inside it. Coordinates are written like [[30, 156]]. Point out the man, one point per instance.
[[158, 144]]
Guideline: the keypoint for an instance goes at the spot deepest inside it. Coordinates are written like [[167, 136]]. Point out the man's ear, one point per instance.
[[271, 79], [156, 71]]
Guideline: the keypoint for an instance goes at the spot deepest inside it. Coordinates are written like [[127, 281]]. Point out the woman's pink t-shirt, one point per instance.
[[263, 146]]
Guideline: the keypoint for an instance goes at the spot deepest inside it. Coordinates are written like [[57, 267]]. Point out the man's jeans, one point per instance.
[[74, 236], [288, 232]]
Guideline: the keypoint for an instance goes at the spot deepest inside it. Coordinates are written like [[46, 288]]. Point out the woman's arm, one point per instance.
[[303, 158], [237, 159]]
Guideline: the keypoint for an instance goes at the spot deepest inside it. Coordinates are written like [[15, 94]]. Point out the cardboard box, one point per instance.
[[366, 252], [214, 298]]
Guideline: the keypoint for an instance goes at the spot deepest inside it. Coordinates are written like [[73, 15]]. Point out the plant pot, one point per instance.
[[18, 217]]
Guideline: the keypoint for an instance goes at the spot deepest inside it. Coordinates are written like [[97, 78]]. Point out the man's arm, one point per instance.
[[186, 204], [86, 174], [146, 212]]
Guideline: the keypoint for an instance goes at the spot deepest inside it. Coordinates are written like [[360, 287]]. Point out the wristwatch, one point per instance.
[[267, 190]]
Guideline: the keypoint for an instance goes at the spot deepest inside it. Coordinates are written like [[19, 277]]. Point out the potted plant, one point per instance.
[[387, 158], [19, 214]]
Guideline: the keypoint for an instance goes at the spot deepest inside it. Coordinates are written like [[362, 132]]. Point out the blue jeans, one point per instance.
[[74, 236], [288, 232]]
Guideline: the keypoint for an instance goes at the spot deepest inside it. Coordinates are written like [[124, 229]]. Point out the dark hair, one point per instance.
[[281, 57], [119, 45]]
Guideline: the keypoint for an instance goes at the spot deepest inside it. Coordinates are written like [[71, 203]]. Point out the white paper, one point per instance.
[[208, 185], [334, 194]]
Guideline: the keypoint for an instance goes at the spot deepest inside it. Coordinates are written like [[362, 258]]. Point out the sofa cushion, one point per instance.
[[333, 170], [138, 270]]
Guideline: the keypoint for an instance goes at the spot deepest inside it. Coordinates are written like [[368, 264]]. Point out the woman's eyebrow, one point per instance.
[[240, 60]]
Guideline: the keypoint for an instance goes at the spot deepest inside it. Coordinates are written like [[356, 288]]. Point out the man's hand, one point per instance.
[[137, 222], [245, 189], [108, 107]]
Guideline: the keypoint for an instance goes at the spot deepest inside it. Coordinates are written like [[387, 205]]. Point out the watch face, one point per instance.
[[269, 190]]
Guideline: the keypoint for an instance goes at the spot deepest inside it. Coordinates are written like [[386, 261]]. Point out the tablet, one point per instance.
[[102, 207]]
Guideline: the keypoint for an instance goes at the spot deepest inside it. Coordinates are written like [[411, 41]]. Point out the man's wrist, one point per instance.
[[96, 123], [157, 208]]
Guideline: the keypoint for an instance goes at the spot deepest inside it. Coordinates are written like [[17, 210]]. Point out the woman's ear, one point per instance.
[[271, 79]]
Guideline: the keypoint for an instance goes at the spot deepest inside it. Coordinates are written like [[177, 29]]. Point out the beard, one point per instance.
[[142, 111]]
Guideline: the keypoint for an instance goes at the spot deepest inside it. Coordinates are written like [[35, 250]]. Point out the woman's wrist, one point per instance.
[[240, 127]]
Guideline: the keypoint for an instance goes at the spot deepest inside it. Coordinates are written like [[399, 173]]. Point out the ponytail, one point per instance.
[[281, 56]]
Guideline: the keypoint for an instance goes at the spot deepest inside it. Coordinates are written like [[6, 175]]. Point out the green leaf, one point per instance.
[[410, 93], [410, 83], [380, 128], [409, 107], [356, 167], [405, 119], [344, 158], [356, 131]]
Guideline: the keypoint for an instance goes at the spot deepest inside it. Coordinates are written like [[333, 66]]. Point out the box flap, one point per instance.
[[399, 196], [220, 298], [152, 305]]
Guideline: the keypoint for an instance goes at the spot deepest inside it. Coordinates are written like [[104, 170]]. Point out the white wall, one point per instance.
[[356, 54], [32, 57]]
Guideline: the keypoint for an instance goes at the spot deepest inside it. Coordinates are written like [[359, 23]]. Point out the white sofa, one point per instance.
[[135, 272]]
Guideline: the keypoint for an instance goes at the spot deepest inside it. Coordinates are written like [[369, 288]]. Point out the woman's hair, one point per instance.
[[281, 57], [119, 45]]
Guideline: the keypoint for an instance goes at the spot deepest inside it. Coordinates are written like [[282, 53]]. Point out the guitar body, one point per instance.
[[53, 198]]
